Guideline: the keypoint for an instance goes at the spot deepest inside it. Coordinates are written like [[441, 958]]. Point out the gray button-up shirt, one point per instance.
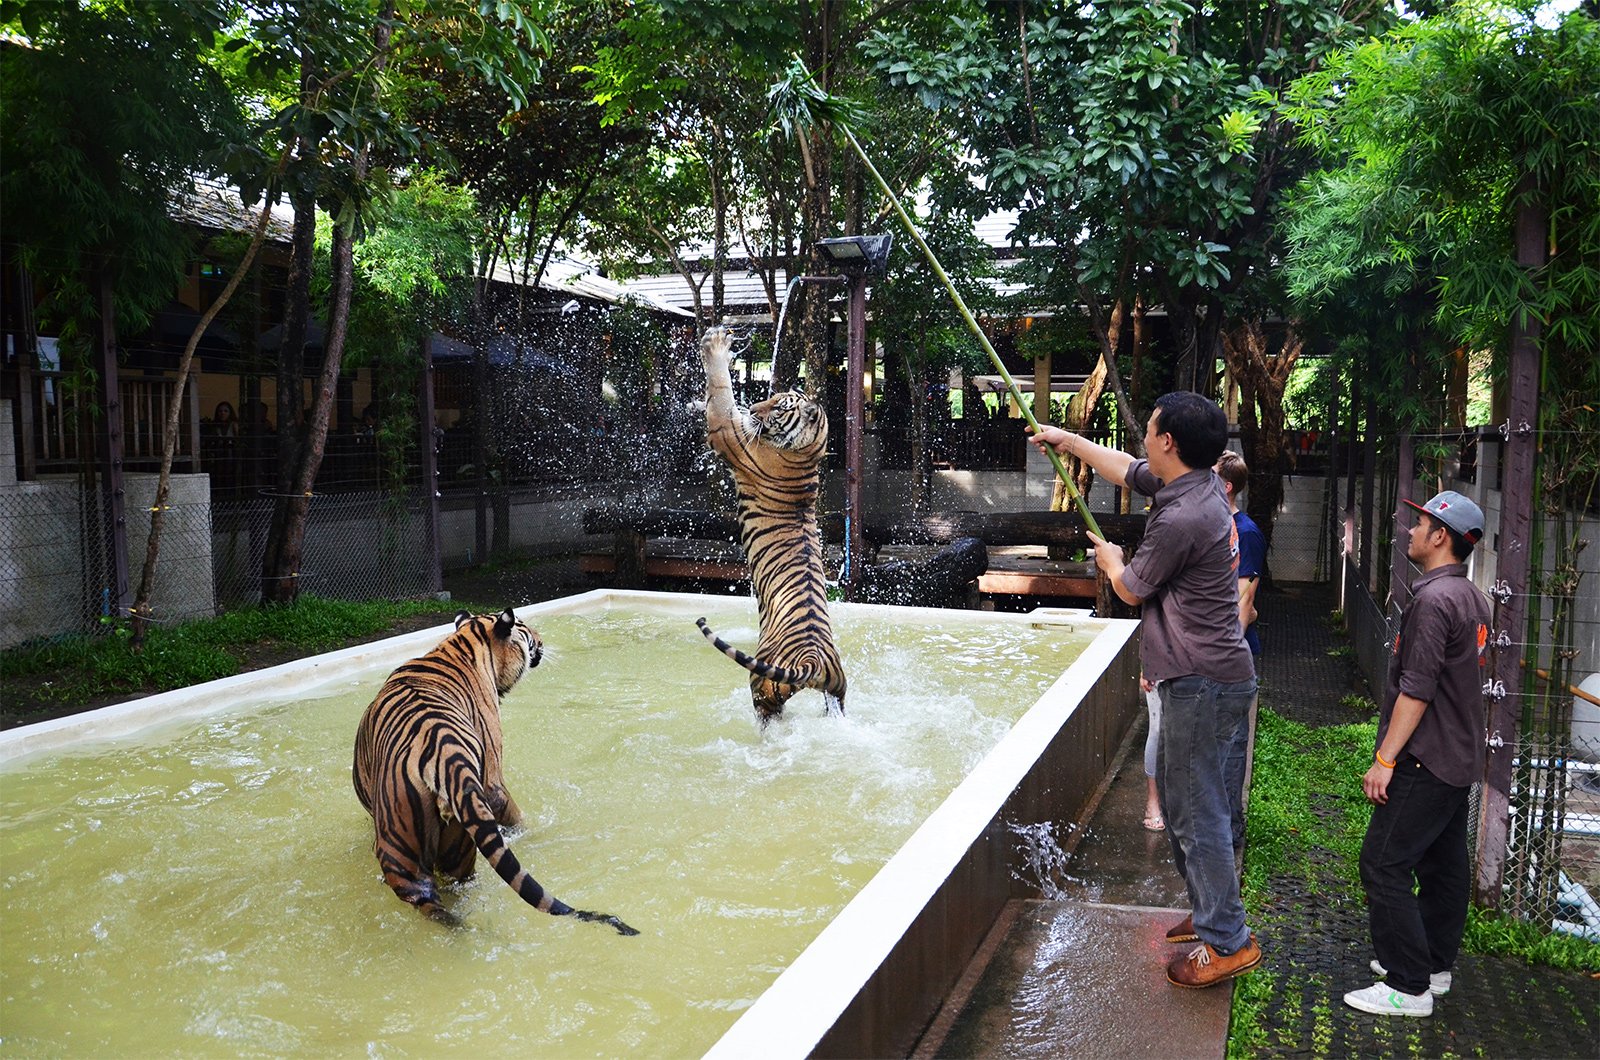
[[1187, 572], [1437, 657]]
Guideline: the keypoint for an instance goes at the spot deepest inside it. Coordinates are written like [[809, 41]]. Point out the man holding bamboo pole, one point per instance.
[[1184, 575]]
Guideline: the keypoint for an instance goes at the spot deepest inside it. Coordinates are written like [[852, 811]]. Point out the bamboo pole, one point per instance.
[[972, 325]]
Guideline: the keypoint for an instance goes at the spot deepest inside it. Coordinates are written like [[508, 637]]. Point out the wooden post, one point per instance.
[[25, 342], [628, 557], [1369, 482], [1041, 387], [115, 498], [1510, 591], [191, 398], [429, 443], [1347, 552], [1330, 436], [1406, 475], [854, 418]]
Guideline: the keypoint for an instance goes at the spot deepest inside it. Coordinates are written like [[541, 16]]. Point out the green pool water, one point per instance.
[[212, 892]]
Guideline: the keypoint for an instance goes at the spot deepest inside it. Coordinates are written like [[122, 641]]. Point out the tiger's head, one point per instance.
[[791, 420], [514, 648]]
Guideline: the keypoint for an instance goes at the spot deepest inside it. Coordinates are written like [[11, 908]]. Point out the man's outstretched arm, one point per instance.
[[1110, 464]]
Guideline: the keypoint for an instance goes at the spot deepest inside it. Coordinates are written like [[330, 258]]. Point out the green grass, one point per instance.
[[1299, 769], [1490, 933], [1361, 704], [84, 667]]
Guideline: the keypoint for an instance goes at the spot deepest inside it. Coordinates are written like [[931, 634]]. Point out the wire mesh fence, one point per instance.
[[56, 572], [52, 574], [358, 546]]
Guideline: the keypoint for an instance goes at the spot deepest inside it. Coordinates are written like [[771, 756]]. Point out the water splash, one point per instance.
[[1043, 861]]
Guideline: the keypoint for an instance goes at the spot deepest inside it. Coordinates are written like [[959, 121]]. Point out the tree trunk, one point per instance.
[[921, 458], [817, 206], [140, 612], [281, 581], [1080, 411], [1132, 420], [719, 228], [291, 370], [1261, 376]]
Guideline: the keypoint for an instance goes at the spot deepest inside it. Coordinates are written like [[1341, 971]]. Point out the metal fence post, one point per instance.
[[429, 450], [115, 497], [1512, 556]]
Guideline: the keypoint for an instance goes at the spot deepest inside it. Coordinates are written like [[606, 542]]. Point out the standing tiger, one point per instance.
[[428, 766], [775, 450]]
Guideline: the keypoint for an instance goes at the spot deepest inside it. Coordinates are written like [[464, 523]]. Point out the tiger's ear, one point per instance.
[[462, 618], [504, 623]]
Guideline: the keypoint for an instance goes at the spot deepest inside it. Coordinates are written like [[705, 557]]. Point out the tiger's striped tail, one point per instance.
[[772, 672], [472, 810]]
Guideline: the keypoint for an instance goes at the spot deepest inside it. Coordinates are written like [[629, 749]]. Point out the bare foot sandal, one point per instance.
[[1154, 823]]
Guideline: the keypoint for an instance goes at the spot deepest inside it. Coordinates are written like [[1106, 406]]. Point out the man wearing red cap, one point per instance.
[[1429, 753]]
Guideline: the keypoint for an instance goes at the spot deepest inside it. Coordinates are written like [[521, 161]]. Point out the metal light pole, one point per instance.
[[854, 420], [856, 257]]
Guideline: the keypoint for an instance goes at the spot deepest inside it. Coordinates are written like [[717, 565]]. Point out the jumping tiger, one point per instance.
[[428, 766], [775, 450]]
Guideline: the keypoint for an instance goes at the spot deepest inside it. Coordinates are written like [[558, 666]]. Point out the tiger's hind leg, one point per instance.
[[768, 697], [421, 894], [832, 704], [458, 854]]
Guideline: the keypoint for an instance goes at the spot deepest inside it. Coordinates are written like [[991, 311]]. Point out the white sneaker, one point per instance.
[[1382, 1001], [1438, 983]]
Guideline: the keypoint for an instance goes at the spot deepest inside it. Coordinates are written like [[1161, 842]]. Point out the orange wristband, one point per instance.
[[1379, 756]]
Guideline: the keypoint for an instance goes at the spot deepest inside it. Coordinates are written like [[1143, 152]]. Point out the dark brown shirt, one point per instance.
[[1437, 657], [1187, 572]]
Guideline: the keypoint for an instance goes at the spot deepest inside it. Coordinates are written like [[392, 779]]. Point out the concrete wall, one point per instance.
[[887, 494], [51, 579], [8, 447]]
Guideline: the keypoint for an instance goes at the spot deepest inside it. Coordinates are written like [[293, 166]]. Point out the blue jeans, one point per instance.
[[1235, 769], [1419, 836], [1200, 720]]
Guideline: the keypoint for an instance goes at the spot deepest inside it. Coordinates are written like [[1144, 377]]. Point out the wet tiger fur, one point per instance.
[[775, 450], [428, 766]]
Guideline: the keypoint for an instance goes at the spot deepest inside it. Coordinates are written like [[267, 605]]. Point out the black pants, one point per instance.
[[1420, 834]]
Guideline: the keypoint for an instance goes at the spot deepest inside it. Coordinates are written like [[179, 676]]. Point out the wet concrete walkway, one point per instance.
[[1085, 975]]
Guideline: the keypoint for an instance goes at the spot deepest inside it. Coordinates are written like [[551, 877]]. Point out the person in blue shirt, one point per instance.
[[1235, 475]]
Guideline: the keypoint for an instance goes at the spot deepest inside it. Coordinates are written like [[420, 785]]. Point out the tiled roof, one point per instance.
[[215, 205], [564, 275]]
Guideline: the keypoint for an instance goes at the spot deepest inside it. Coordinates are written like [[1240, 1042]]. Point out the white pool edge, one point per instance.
[[309, 676]]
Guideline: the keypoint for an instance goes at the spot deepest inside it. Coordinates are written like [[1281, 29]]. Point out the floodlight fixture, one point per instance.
[[868, 253]]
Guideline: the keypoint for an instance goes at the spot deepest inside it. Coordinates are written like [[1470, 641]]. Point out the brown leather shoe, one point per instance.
[[1184, 931], [1204, 966]]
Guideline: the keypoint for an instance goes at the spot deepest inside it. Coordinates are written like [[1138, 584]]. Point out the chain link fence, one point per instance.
[[358, 546], [56, 575], [53, 576]]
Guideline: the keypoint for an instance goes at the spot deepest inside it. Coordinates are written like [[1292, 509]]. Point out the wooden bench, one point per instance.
[[681, 543], [664, 543], [1024, 549]]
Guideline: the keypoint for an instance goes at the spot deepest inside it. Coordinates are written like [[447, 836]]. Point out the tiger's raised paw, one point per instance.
[[604, 918], [716, 347]]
